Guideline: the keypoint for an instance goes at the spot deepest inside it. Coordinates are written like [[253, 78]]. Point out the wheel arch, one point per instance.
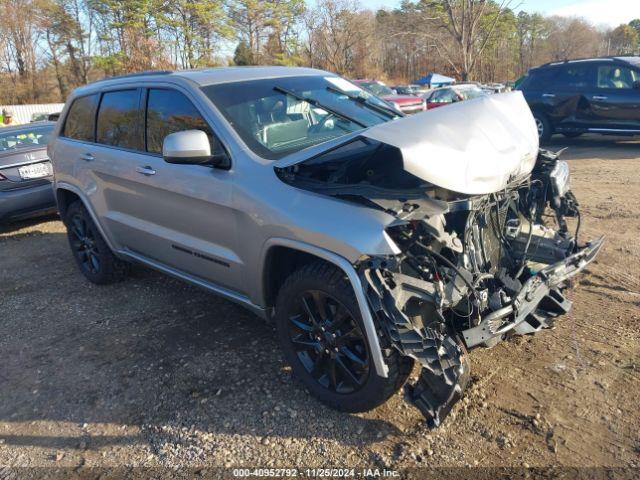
[[64, 198], [282, 256], [66, 194]]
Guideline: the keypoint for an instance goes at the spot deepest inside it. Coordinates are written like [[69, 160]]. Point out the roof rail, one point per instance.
[[586, 59], [136, 74]]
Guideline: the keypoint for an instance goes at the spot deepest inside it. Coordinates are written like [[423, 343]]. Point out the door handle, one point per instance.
[[599, 97], [146, 170], [549, 95], [87, 157]]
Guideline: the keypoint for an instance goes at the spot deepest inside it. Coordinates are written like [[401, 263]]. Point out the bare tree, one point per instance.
[[340, 37], [470, 25]]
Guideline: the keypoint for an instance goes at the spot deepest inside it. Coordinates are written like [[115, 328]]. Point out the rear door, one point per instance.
[[568, 96], [615, 102], [177, 215]]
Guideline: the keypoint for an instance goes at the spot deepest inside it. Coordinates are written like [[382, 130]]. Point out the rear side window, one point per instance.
[[169, 111], [119, 120], [576, 77], [539, 79], [80, 122]]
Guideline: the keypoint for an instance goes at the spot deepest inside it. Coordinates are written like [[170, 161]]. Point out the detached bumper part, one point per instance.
[[537, 303], [444, 364], [445, 367]]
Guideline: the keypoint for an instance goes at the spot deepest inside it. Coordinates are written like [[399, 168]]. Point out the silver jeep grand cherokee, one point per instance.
[[372, 240]]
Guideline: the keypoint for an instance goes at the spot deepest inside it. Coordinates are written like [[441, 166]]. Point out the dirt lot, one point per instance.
[[157, 373]]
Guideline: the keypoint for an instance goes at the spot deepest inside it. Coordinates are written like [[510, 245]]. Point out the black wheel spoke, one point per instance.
[[329, 342], [347, 352], [347, 337], [297, 321], [319, 365], [340, 318], [95, 263], [309, 308], [321, 301], [78, 227], [306, 343], [351, 377]]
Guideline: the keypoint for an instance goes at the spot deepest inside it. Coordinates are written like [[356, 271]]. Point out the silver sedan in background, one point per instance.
[[25, 171]]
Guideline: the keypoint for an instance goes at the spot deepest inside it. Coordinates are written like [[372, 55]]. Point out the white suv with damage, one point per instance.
[[371, 240]]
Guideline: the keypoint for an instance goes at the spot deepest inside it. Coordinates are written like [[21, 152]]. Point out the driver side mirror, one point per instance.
[[636, 85], [192, 147]]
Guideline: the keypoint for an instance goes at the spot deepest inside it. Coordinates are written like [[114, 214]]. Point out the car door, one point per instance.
[[179, 216], [566, 99], [615, 102]]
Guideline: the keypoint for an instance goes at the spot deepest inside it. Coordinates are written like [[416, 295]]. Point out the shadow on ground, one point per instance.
[[148, 352], [596, 146]]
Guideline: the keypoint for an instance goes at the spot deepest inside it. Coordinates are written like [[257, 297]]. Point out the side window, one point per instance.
[[80, 121], [541, 79], [576, 77], [169, 111], [119, 120], [615, 76]]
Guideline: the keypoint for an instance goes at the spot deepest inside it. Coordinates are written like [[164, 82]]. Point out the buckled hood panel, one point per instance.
[[471, 147]]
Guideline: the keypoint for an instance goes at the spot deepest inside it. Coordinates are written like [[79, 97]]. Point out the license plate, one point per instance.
[[36, 170]]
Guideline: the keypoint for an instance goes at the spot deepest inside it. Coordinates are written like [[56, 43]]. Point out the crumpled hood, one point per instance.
[[471, 147]]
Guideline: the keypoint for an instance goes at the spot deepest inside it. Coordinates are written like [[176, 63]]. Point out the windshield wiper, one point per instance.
[[387, 111], [316, 103]]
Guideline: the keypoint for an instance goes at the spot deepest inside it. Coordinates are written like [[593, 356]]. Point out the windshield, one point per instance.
[[27, 137], [376, 88], [276, 117]]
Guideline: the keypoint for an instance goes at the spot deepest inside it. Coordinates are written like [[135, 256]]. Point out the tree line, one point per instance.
[[49, 47]]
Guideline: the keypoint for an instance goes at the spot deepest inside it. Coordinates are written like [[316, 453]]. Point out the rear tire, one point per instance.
[[92, 254], [326, 338], [545, 130]]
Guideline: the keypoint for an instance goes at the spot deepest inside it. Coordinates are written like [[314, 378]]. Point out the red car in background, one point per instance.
[[405, 103]]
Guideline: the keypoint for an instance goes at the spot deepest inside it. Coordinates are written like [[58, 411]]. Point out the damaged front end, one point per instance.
[[472, 267], [486, 267]]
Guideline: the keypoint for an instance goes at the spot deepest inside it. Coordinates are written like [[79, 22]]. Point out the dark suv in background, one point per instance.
[[599, 95]]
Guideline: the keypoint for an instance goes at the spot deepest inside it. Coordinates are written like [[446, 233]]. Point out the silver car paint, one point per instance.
[[233, 217]]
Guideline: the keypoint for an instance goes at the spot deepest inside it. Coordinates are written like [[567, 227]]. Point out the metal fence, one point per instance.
[[26, 113]]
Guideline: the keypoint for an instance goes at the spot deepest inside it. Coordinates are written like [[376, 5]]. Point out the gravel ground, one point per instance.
[[153, 372]]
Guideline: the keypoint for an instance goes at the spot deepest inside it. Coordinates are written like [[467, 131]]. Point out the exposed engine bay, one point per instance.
[[472, 268]]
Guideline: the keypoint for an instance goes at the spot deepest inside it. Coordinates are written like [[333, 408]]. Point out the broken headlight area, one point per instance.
[[472, 270]]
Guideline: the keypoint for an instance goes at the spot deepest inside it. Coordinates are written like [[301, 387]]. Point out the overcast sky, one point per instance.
[[600, 12]]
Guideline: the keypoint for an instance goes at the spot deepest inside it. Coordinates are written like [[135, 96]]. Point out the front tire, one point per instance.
[[324, 340], [92, 254], [545, 130]]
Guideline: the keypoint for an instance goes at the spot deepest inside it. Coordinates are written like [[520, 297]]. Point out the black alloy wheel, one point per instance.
[[323, 338], [329, 342], [90, 251], [83, 244]]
